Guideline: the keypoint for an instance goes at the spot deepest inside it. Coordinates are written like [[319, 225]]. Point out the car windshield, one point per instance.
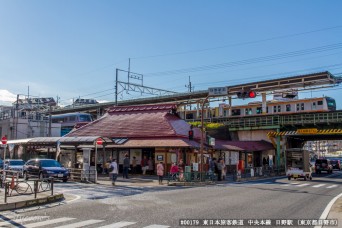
[[16, 162], [50, 163]]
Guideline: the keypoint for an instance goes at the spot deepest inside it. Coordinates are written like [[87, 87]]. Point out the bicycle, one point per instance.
[[22, 188]]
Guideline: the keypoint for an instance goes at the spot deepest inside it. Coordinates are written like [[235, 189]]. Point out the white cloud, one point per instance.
[[6, 97]]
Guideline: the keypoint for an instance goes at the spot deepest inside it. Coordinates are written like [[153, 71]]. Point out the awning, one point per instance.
[[164, 142], [62, 140]]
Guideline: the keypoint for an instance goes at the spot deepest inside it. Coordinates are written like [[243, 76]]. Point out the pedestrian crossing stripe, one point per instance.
[[302, 132], [52, 222]]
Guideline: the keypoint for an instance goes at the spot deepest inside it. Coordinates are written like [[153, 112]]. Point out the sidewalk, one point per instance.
[[336, 212], [20, 201]]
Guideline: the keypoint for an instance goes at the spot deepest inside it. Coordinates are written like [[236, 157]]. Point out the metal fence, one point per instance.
[[80, 175], [18, 188]]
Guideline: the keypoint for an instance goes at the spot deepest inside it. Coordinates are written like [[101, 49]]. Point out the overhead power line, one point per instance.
[[239, 44], [250, 61]]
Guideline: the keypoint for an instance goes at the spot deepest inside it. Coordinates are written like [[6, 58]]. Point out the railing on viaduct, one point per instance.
[[276, 121]]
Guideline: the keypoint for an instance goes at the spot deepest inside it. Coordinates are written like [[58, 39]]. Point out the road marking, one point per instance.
[[319, 185], [48, 222], [327, 209], [156, 226], [301, 185], [118, 225], [80, 224], [332, 186]]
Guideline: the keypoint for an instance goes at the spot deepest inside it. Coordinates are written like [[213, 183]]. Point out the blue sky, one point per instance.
[[72, 48]]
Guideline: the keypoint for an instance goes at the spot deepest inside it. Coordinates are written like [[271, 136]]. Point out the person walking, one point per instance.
[[160, 172], [219, 169], [113, 171], [144, 165], [125, 167], [224, 170]]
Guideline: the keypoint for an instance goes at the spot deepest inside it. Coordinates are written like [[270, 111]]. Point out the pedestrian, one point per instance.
[[125, 167], [107, 166], [181, 169], [113, 171], [224, 170], [160, 172], [134, 165], [219, 169], [144, 165], [150, 166]]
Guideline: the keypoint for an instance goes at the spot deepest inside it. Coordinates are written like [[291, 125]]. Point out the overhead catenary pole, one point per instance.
[[116, 87], [202, 134]]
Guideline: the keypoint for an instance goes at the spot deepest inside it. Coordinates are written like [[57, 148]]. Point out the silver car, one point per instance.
[[15, 165]]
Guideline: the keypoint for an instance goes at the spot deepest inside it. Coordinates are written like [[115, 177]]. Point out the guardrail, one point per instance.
[[80, 175], [190, 177], [257, 172]]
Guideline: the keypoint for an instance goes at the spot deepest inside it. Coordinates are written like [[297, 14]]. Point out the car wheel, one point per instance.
[[289, 178], [65, 180], [25, 176], [305, 178]]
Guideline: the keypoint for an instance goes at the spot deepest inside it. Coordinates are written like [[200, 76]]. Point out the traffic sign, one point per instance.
[[4, 140], [99, 141]]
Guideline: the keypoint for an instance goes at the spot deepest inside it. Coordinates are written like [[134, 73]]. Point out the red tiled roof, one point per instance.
[[138, 121], [243, 145]]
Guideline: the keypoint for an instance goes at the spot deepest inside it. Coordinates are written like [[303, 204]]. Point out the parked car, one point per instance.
[[45, 168], [336, 164], [1, 164], [15, 165], [323, 165]]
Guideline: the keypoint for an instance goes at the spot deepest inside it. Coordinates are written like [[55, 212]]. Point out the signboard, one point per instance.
[[307, 131], [218, 91]]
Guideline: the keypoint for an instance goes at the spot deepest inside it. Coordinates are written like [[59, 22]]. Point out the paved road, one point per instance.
[[106, 206]]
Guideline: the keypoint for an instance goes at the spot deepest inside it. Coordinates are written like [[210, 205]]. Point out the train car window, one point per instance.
[[274, 109], [297, 107], [248, 111], [259, 110], [279, 108], [319, 102], [85, 118], [302, 106], [236, 112], [72, 118], [288, 108], [314, 105], [331, 104]]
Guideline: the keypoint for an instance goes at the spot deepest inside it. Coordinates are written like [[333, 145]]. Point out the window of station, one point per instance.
[[236, 112], [266, 109], [248, 111], [288, 108], [259, 110]]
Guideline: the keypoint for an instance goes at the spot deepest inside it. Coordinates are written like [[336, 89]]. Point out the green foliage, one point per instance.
[[208, 126]]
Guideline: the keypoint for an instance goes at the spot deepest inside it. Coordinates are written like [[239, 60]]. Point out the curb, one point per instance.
[[31, 202]]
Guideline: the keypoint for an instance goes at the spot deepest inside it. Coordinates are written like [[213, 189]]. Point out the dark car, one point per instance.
[[1, 164], [45, 168], [323, 165], [15, 165], [336, 164]]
